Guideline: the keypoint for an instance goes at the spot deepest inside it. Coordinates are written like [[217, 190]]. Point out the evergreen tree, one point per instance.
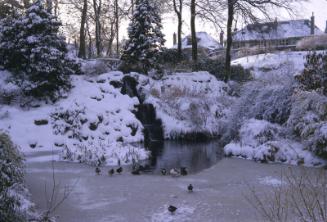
[[32, 50], [141, 52]]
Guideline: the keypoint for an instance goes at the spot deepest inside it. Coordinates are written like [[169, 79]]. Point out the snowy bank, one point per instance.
[[263, 141], [94, 123]]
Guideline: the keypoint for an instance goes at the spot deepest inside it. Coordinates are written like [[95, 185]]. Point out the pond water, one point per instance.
[[195, 156]]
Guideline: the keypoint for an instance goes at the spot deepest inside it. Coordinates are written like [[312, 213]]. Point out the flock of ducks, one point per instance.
[[139, 168]]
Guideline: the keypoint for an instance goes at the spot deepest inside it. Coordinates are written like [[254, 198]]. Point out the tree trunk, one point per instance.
[[193, 33], [90, 51], [97, 11], [49, 6], [229, 40], [111, 39], [117, 27], [132, 3], [26, 3], [56, 8], [82, 43], [180, 23]]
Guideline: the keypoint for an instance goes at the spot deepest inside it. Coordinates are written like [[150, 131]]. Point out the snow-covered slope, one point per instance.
[[94, 123], [276, 65]]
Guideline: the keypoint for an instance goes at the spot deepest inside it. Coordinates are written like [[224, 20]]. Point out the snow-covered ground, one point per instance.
[[95, 122], [273, 66]]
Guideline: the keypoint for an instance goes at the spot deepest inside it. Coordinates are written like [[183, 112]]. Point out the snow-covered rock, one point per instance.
[[188, 103]]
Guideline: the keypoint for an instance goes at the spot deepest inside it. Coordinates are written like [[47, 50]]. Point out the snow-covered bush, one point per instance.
[[263, 141], [314, 76], [9, 92], [260, 100], [308, 121], [31, 48], [14, 202], [94, 67], [316, 42]]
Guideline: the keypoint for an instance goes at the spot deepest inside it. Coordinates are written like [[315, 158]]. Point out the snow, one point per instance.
[[94, 101], [187, 102], [273, 120], [271, 181], [284, 29], [279, 65]]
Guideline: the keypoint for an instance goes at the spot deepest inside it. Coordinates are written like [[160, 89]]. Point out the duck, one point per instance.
[[97, 170], [174, 172], [183, 171], [136, 172], [172, 209], [190, 188], [119, 170], [111, 172], [163, 171]]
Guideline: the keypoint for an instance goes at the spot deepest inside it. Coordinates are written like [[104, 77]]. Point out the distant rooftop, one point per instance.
[[276, 30], [204, 40]]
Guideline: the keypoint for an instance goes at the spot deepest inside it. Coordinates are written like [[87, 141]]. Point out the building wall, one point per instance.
[[271, 43]]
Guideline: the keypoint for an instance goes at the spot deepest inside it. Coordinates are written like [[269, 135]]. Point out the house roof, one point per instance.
[[276, 30], [204, 40]]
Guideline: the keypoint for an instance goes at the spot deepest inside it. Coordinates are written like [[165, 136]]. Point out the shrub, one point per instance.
[[308, 121], [217, 68], [171, 56], [13, 194], [32, 50], [314, 76], [318, 42]]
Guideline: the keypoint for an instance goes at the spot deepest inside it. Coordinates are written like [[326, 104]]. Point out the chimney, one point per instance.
[[326, 28], [174, 39], [221, 38], [312, 24]]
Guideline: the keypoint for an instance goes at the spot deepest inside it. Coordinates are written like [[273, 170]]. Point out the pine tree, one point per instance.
[[141, 52], [31, 48]]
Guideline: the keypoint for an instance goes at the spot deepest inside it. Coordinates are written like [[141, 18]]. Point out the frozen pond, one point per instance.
[[218, 195], [176, 154]]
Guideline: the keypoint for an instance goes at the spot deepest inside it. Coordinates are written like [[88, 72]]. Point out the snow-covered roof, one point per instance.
[[276, 30], [204, 40]]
